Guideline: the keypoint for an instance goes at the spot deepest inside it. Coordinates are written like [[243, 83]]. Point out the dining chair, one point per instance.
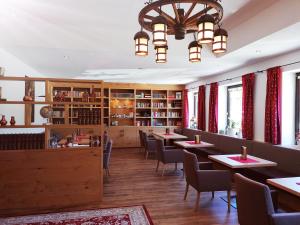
[[141, 139], [202, 177], [255, 205], [168, 155], [106, 156], [150, 145]]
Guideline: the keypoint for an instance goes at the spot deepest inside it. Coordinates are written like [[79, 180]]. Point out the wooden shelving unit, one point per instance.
[[45, 166], [154, 106]]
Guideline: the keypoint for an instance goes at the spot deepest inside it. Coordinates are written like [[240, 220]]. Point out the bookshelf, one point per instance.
[[74, 105], [155, 106]]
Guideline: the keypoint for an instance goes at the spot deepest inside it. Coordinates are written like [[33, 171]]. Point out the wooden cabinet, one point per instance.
[[124, 136], [128, 137]]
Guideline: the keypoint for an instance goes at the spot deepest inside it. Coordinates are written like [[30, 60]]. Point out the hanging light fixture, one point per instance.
[[141, 39], [159, 27], [161, 54], [195, 52], [189, 16], [206, 25], [220, 41]]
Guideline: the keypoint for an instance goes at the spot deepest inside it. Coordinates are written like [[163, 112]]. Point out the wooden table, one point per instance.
[[236, 164], [287, 184], [171, 136], [191, 144]]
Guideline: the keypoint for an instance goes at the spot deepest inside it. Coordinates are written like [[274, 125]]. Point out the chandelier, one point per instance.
[[204, 23]]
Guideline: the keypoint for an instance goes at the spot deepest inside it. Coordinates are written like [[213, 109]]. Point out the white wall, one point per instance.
[[259, 106], [12, 90], [288, 96]]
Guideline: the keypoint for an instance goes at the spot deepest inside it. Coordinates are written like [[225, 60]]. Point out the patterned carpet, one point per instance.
[[135, 215]]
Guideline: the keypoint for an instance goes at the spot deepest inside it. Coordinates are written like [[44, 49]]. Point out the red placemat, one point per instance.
[[238, 159], [191, 142]]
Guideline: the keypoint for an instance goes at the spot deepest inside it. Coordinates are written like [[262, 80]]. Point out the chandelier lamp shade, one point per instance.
[[199, 17], [220, 41], [194, 52], [205, 26], [141, 43], [161, 54], [159, 26]]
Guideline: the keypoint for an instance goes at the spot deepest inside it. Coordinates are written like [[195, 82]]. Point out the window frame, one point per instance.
[[228, 100], [297, 104]]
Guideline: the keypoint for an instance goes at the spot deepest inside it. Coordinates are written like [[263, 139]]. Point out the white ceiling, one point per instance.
[[94, 39]]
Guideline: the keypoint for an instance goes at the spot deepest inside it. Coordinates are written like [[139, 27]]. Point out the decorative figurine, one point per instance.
[[3, 121], [244, 153], [12, 121]]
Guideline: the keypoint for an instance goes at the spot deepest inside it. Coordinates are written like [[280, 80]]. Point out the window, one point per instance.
[[298, 108], [234, 109]]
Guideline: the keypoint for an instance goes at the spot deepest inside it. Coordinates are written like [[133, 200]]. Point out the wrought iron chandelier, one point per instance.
[[205, 24]]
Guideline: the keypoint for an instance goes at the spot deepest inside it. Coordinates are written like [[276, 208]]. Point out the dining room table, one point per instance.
[[169, 138], [288, 184], [235, 161], [193, 144]]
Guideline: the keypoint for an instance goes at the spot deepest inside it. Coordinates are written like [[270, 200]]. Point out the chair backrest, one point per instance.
[[160, 149], [190, 165], [105, 140], [107, 153], [141, 138], [145, 138], [254, 202]]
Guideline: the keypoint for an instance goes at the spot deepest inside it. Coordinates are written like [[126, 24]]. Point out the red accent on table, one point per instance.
[[191, 142], [238, 159]]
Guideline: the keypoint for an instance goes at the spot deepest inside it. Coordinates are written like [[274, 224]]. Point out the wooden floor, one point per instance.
[[133, 181]]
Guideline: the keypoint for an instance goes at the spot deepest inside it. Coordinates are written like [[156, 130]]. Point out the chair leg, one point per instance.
[[147, 153], [157, 165], [164, 168], [197, 201], [229, 200], [212, 194], [176, 166], [186, 191]]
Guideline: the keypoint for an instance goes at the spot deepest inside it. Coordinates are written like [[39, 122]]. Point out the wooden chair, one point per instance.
[[106, 156], [255, 205], [168, 155], [202, 177]]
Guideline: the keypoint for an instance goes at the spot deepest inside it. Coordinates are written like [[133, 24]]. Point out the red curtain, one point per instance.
[[248, 106], [185, 109], [201, 108], [213, 108], [273, 106]]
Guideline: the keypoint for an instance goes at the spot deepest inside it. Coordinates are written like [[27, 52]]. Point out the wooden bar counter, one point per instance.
[[32, 181]]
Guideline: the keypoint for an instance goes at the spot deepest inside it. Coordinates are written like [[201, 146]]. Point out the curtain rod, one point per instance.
[[259, 71]]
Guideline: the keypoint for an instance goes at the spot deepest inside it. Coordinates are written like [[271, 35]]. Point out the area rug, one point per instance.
[[135, 215]]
